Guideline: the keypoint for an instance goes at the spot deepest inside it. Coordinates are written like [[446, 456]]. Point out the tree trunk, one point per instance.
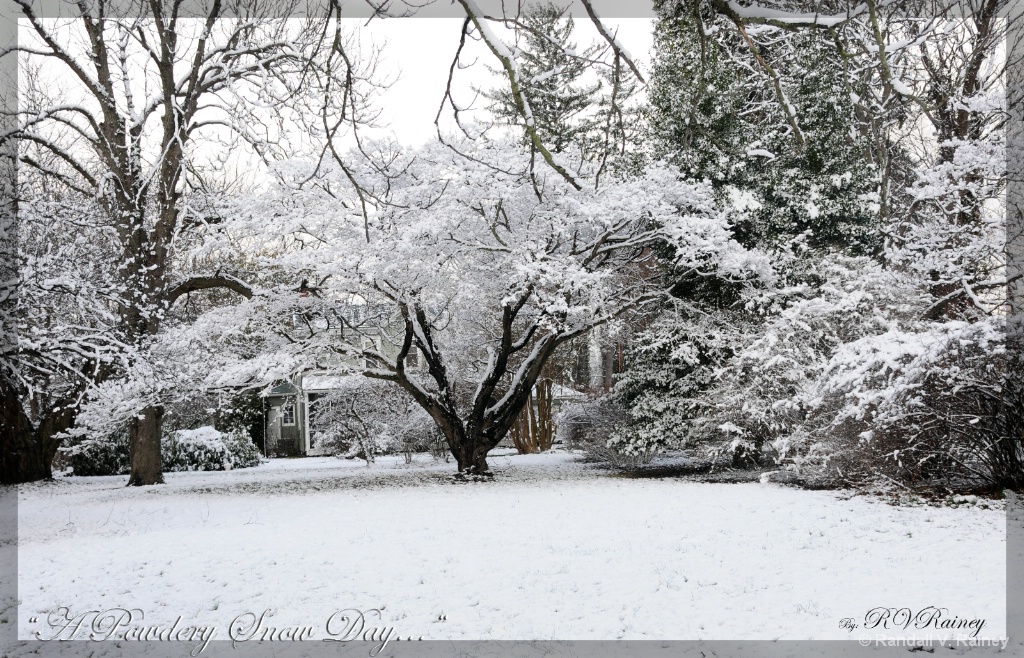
[[472, 460], [545, 422], [27, 452], [524, 434], [471, 455], [144, 433]]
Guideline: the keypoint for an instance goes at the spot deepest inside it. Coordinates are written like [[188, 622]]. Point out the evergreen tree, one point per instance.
[[794, 177], [714, 112], [558, 96]]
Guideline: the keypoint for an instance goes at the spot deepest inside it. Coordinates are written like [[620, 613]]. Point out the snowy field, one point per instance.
[[551, 549]]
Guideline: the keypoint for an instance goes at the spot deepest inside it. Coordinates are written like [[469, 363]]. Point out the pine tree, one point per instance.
[[558, 96], [714, 111]]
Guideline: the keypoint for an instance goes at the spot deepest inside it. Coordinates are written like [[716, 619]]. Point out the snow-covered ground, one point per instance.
[[551, 549]]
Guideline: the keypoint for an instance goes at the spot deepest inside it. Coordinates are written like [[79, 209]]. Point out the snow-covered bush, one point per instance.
[[934, 405], [107, 456], [672, 363], [203, 449], [206, 449], [365, 417], [762, 398], [594, 427]]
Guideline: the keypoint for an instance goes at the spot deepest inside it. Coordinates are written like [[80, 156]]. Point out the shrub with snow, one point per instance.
[[203, 449], [365, 417], [934, 404], [595, 428], [206, 449], [107, 456]]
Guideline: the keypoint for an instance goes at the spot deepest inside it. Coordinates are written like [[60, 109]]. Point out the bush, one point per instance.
[[943, 415], [595, 427], [363, 417], [107, 456], [206, 449], [203, 449]]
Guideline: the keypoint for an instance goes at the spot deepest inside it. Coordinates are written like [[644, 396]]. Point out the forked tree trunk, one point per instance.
[[469, 447], [27, 451], [471, 457], [144, 432]]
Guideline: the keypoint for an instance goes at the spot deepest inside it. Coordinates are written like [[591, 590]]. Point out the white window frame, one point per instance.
[[284, 414]]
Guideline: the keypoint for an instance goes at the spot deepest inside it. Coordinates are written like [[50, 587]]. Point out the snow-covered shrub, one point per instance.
[[594, 427], [761, 405], [365, 417], [109, 455], [415, 432], [934, 405], [672, 363], [203, 449], [206, 449]]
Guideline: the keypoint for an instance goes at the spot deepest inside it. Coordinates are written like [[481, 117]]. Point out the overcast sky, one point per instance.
[[420, 50], [417, 54]]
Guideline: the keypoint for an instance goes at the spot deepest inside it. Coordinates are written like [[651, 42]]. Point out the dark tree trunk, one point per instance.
[[484, 426], [27, 451], [144, 434], [469, 448], [471, 456]]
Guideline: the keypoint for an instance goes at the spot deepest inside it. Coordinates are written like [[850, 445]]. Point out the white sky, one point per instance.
[[420, 50], [417, 54]]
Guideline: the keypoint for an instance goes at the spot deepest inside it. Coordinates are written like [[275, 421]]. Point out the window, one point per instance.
[[412, 359], [371, 344], [288, 414]]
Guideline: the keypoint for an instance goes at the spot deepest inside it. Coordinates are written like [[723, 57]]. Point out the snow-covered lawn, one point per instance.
[[551, 549]]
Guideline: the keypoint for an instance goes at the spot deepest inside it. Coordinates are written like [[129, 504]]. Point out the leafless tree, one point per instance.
[[144, 87]]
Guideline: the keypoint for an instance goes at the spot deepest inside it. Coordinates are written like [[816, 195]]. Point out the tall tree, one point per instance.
[[477, 264], [142, 87], [767, 115]]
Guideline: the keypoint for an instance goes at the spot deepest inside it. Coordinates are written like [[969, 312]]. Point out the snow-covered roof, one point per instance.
[[324, 382], [287, 388]]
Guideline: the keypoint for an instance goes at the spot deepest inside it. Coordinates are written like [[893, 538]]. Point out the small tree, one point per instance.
[[362, 417]]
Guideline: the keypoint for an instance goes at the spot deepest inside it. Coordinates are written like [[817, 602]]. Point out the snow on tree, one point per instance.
[[910, 120], [765, 114], [62, 331], [482, 267], [551, 68], [614, 58], [141, 90]]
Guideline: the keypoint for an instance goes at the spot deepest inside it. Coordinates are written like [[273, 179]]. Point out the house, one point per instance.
[[290, 408]]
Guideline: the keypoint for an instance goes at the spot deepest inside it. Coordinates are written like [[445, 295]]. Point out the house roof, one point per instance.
[[324, 382], [560, 392], [287, 388]]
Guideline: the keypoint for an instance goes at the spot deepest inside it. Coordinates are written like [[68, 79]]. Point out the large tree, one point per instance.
[[148, 91], [481, 268], [811, 119]]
